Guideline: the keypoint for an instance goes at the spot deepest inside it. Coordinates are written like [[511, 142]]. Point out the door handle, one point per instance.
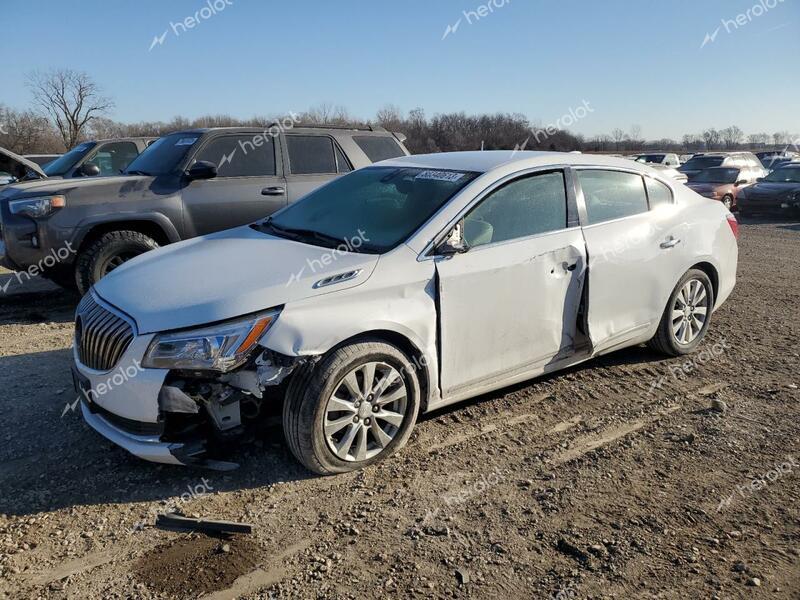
[[670, 243], [273, 191], [568, 267]]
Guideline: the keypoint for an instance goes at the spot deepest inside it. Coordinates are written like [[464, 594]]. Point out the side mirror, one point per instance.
[[89, 170], [453, 243], [202, 169]]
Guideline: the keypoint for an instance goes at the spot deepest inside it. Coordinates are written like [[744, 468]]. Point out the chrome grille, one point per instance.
[[101, 336]]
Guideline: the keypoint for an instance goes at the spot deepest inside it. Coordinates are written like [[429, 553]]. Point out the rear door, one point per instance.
[[312, 161], [249, 184], [635, 240], [511, 301]]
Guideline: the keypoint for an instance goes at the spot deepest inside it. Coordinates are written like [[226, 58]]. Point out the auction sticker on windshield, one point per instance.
[[186, 141], [440, 176]]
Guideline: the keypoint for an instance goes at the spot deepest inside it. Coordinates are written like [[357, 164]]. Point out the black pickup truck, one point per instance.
[[185, 184]]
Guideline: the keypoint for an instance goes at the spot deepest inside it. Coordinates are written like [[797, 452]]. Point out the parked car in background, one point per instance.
[[724, 183], [776, 162], [186, 184], [14, 167], [435, 278], [97, 158], [670, 172], [742, 160], [42, 159], [684, 157], [777, 193], [659, 158], [769, 156]]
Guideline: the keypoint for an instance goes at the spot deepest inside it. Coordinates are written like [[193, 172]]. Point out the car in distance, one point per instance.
[[723, 183], [14, 167], [778, 193], [185, 184], [97, 158], [670, 172], [396, 290], [699, 163], [659, 158]]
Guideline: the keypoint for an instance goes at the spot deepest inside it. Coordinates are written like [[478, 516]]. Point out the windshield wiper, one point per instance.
[[327, 240]]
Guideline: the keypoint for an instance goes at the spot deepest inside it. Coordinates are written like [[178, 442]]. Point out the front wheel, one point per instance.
[[356, 407], [687, 315], [108, 252]]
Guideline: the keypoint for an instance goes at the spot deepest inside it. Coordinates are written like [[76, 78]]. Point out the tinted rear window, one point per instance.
[[311, 154], [378, 148]]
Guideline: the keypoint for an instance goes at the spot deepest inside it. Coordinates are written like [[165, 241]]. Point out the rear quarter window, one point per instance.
[[658, 194], [612, 195], [378, 148]]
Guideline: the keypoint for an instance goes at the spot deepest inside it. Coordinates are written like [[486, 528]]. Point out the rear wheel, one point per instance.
[[108, 252], [356, 407], [727, 201], [687, 315]]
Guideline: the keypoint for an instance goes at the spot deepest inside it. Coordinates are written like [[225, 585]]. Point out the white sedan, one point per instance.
[[396, 290]]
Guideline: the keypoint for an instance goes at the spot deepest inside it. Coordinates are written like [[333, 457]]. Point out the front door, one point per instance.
[[510, 303], [247, 187]]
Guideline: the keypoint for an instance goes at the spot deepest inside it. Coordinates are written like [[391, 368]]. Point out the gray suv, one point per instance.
[[184, 185]]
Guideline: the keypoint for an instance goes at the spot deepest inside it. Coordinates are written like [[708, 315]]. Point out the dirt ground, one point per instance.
[[631, 476]]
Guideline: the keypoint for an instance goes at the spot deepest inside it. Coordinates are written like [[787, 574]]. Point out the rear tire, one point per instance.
[[680, 330], [320, 414], [108, 252], [727, 202]]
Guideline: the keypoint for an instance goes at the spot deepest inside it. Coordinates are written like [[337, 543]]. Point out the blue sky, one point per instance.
[[634, 62]]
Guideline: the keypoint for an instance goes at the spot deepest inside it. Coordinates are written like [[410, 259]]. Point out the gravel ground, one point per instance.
[[631, 476]]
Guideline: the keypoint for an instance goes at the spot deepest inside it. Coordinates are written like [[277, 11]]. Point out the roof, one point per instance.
[[484, 161]]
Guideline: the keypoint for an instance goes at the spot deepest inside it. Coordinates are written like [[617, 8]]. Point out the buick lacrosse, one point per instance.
[[392, 291]]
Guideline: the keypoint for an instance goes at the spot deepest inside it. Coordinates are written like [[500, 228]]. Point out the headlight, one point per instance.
[[38, 207], [221, 347]]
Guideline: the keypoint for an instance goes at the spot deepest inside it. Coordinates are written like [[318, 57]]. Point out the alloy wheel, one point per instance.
[[690, 311], [365, 412]]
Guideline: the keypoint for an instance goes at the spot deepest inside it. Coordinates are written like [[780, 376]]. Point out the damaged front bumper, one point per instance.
[[175, 417]]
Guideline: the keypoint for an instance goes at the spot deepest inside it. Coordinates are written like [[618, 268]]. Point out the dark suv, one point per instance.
[[186, 184]]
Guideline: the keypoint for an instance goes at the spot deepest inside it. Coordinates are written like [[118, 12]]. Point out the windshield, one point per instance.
[[785, 175], [65, 162], [373, 209], [717, 175], [650, 158], [164, 155], [702, 162]]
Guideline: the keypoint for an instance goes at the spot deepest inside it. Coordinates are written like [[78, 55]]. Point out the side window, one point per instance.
[[535, 204], [311, 154], [341, 161], [379, 147], [657, 193], [612, 194], [239, 156], [112, 158]]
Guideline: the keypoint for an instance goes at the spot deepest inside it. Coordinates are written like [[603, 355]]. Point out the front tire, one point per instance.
[[686, 318], [357, 406], [108, 252]]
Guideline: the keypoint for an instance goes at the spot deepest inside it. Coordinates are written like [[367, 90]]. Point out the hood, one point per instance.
[[19, 166], [117, 184], [225, 275], [772, 190]]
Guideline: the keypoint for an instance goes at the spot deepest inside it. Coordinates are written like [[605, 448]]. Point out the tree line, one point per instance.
[[68, 107]]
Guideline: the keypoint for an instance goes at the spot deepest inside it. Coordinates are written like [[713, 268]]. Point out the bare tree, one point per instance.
[[26, 132], [732, 136], [70, 98], [712, 138], [619, 136]]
